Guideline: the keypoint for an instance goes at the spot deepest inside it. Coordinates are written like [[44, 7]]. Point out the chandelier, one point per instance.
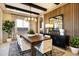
[[30, 17]]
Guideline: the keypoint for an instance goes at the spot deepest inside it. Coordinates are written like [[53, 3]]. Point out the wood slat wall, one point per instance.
[[71, 18], [76, 19]]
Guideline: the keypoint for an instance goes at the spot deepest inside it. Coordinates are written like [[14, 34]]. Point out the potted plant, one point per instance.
[[7, 27], [74, 45], [31, 32]]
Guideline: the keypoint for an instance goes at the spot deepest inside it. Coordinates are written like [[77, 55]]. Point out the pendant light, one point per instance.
[[30, 13]]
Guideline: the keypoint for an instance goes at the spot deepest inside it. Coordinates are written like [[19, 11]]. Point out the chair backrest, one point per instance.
[[18, 39], [46, 46]]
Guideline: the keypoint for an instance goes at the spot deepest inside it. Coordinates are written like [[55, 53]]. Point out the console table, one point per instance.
[[60, 41]]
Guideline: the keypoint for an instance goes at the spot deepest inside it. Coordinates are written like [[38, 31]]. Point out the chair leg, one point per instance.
[[44, 54], [21, 53], [51, 53]]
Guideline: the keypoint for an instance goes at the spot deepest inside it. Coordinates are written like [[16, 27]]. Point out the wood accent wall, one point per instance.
[[76, 19], [71, 18]]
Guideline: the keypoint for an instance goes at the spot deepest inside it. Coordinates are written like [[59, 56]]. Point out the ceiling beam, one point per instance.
[[35, 6], [57, 3], [20, 9]]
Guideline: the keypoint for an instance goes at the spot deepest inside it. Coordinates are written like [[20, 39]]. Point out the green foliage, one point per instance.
[[8, 26], [75, 42], [50, 30], [41, 31], [31, 31]]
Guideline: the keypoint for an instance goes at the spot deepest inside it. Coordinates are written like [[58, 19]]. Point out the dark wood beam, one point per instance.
[[57, 3], [35, 6], [20, 9]]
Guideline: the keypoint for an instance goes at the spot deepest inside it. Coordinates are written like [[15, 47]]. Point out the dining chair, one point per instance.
[[23, 45], [45, 47]]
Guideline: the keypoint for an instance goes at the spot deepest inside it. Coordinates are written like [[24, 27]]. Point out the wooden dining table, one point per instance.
[[34, 40]]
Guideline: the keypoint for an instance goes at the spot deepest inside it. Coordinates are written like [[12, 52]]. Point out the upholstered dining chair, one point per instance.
[[45, 47], [23, 45]]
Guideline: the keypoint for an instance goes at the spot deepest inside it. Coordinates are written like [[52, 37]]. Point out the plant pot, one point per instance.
[[31, 35], [9, 39], [74, 50]]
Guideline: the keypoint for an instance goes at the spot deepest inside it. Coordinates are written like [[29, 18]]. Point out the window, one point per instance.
[[22, 23]]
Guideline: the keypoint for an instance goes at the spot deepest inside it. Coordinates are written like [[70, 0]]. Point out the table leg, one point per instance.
[[33, 51], [51, 53]]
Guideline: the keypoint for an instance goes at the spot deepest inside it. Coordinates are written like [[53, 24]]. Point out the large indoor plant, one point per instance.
[[74, 42], [7, 27]]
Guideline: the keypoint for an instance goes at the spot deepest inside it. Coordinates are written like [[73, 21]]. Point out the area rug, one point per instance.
[[56, 52], [14, 51]]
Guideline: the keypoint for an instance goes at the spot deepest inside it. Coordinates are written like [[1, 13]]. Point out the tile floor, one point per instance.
[[4, 49]]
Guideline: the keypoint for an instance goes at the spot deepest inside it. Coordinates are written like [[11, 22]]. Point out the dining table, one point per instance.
[[34, 40]]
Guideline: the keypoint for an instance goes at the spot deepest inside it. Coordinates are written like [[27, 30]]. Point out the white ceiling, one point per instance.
[[48, 6]]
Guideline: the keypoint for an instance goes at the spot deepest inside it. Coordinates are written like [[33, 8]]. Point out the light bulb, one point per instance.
[[35, 20], [28, 18], [32, 18]]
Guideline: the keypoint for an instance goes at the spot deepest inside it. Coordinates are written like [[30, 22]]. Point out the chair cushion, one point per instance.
[[45, 46]]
